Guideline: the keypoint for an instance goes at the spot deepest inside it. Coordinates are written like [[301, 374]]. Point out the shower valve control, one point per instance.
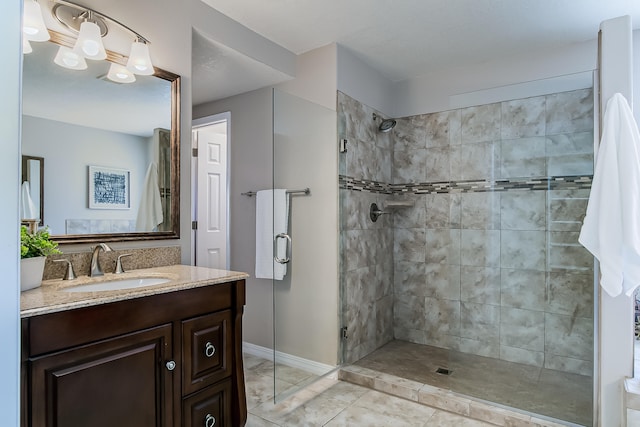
[[375, 212]]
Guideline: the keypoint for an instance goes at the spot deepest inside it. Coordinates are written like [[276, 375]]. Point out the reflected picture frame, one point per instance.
[[109, 188]]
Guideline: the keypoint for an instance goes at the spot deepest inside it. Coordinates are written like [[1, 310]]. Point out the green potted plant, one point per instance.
[[34, 249]]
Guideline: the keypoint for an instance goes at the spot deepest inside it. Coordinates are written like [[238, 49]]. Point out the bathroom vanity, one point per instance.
[[163, 355]]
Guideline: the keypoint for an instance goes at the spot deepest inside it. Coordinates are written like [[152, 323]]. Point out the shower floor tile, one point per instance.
[[555, 394], [333, 403]]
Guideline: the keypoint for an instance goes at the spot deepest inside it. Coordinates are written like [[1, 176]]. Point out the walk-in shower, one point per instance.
[[478, 285]]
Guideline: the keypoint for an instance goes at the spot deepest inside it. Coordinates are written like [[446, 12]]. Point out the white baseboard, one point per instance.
[[316, 368]]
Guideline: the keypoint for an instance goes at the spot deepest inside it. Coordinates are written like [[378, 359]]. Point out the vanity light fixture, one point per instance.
[[91, 27], [33, 27], [120, 74], [70, 59]]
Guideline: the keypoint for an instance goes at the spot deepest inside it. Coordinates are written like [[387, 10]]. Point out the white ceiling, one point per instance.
[[408, 38], [219, 72]]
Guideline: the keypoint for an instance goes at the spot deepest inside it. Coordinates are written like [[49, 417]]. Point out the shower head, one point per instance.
[[386, 125]]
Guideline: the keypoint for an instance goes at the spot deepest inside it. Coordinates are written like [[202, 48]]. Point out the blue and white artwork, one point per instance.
[[108, 188]]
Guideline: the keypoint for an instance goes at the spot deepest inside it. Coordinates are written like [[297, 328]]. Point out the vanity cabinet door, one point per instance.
[[121, 382], [208, 408], [207, 349]]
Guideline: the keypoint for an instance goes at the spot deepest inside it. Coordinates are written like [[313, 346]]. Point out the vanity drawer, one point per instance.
[[208, 408], [207, 350]]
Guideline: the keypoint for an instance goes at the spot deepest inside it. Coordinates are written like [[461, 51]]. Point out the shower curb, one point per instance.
[[442, 399]]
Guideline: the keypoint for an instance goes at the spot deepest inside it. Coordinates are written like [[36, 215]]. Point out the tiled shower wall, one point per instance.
[[487, 261], [366, 246]]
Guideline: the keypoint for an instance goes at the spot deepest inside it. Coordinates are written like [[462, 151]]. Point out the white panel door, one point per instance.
[[211, 234]]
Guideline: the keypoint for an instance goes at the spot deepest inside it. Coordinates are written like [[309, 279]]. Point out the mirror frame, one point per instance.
[[174, 232], [24, 161]]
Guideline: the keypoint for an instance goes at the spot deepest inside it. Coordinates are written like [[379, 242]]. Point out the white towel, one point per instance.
[[272, 218], [27, 208], [611, 228], [150, 210]]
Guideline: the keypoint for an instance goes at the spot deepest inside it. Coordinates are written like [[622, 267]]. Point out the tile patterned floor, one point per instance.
[[332, 403], [369, 398], [554, 394]]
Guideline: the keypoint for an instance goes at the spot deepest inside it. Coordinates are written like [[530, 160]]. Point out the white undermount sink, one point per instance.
[[118, 284]]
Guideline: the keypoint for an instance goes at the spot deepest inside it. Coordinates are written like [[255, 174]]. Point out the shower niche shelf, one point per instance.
[[398, 204]]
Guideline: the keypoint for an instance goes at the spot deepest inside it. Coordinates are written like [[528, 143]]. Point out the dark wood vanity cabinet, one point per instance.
[[173, 359], [114, 382]]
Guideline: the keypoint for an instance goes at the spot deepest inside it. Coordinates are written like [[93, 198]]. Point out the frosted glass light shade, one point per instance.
[[139, 59], [32, 22], [120, 74], [68, 58], [89, 43], [26, 46]]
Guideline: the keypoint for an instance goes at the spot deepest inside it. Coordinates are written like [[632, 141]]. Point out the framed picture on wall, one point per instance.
[[108, 188]]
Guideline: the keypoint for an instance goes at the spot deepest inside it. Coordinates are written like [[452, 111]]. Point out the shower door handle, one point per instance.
[[287, 248]]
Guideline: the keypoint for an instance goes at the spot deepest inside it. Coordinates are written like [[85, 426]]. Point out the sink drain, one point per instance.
[[443, 371]]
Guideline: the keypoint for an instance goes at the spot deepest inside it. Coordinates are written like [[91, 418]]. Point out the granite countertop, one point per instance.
[[50, 297]]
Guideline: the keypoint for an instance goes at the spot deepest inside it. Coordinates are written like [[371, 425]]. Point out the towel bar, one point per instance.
[[306, 192]]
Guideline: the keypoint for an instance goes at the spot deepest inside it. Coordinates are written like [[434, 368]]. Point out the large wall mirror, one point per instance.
[[111, 149]]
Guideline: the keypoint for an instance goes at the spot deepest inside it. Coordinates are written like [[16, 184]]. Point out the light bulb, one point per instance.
[[67, 58], [139, 59], [33, 25], [90, 47], [89, 43], [120, 74]]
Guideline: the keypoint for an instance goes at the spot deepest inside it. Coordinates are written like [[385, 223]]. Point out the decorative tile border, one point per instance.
[[471, 186]]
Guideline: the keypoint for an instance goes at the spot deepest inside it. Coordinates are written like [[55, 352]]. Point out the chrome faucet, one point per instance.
[[96, 270]]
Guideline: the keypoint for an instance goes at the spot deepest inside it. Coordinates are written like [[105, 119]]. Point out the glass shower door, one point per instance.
[[305, 284], [521, 324]]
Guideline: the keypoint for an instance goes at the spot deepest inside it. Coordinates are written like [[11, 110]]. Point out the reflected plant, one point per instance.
[[36, 244]]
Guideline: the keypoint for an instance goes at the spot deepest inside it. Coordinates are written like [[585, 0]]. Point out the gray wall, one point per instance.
[[9, 170], [68, 151], [495, 273]]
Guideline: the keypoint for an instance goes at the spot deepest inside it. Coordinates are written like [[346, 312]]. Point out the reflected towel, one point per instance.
[[150, 210], [272, 218], [27, 208], [611, 228]]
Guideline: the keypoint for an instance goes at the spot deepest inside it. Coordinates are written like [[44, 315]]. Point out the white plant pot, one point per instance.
[[31, 270]]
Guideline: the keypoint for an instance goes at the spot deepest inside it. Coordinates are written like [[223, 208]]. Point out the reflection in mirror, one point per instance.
[[32, 189], [81, 121]]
